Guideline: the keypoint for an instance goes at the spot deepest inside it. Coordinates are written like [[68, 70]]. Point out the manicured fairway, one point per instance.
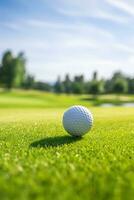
[[38, 160]]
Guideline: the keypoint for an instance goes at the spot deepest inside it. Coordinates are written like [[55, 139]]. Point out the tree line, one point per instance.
[[118, 83], [13, 74]]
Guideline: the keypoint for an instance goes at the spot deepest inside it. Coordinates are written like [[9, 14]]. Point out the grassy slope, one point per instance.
[[39, 160], [32, 99]]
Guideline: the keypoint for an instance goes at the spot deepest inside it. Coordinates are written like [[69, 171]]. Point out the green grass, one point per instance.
[[34, 99], [38, 160]]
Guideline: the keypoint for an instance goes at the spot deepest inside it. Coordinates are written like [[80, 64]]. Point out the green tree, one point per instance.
[[95, 75], [20, 71], [120, 86], [12, 71], [108, 86], [95, 88], [117, 75], [42, 86], [130, 85], [78, 85], [29, 82], [67, 84], [58, 86], [7, 70]]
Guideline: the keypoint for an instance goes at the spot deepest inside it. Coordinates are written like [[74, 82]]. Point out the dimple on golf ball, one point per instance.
[[77, 120]]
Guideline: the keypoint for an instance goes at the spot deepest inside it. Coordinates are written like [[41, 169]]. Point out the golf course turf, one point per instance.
[[39, 160]]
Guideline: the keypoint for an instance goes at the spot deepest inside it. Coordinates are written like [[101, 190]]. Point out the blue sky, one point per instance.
[[69, 36]]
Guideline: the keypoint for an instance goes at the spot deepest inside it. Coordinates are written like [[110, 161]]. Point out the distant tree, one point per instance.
[[102, 86], [7, 71], [95, 75], [67, 84], [118, 75], [77, 89], [20, 71], [78, 85], [120, 86], [110, 83], [58, 86], [96, 87], [130, 85], [12, 70], [29, 82], [108, 86], [42, 86], [119, 83]]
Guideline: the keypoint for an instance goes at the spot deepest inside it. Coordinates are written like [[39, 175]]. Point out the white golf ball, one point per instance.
[[77, 120]]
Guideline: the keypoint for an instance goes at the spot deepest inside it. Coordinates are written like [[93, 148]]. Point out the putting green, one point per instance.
[[40, 161]]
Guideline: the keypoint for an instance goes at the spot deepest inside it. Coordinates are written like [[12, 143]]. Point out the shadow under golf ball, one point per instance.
[[54, 141]]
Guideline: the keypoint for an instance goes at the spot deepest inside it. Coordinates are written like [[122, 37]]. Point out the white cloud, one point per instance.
[[94, 9], [78, 26], [113, 17], [99, 14], [126, 6]]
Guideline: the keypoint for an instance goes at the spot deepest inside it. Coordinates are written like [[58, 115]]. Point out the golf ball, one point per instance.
[[77, 120]]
